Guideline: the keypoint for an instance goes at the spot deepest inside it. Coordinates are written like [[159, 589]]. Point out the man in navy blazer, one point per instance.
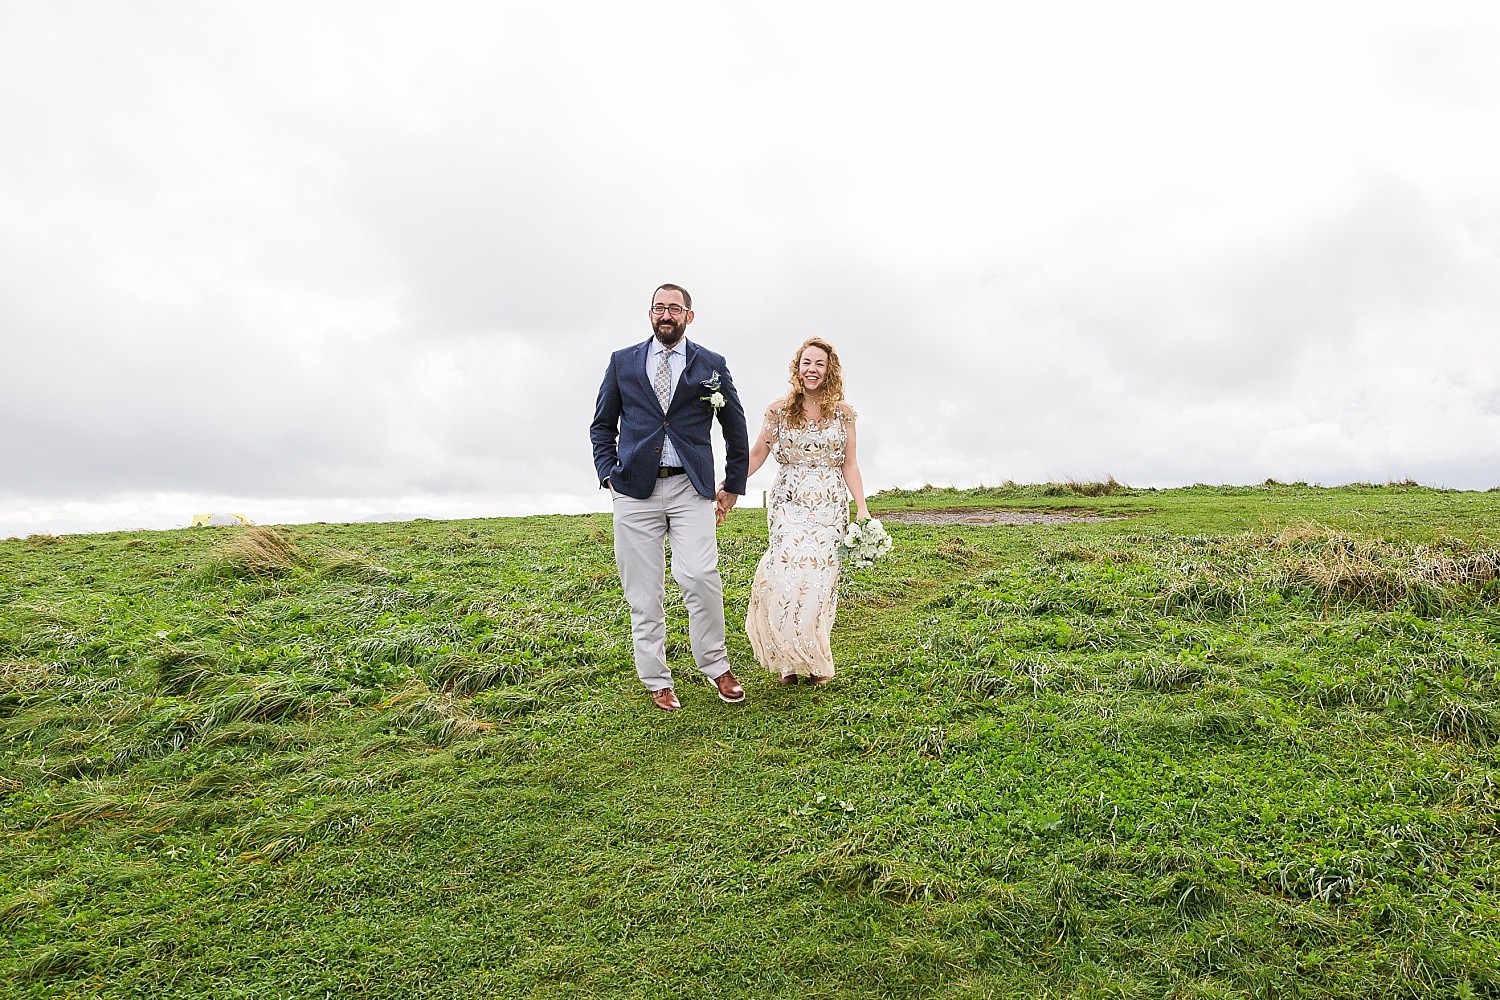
[[654, 453]]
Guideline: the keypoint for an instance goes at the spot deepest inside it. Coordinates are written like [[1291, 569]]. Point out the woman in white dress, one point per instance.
[[810, 433]]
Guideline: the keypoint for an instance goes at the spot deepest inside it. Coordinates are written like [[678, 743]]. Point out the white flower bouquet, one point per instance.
[[864, 543]]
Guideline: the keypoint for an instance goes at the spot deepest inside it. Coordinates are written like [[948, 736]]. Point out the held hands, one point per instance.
[[723, 504]]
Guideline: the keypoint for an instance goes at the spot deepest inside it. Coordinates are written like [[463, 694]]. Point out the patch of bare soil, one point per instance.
[[970, 515]]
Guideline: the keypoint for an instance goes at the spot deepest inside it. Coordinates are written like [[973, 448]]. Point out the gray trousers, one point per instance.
[[675, 510]]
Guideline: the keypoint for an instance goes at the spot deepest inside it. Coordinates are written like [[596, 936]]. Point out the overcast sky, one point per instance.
[[333, 261]]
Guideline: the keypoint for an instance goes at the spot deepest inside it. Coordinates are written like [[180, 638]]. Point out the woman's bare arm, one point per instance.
[[852, 477]]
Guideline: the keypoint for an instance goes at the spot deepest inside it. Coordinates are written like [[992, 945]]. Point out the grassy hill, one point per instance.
[[1240, 742]]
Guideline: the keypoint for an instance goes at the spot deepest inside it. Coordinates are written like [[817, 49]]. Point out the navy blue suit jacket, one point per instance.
[[629, 426]]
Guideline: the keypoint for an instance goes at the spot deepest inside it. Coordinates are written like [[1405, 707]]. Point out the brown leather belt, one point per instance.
[[663, 471]]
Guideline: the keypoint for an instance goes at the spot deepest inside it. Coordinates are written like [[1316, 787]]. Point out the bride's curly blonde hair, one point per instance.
[[832, 393]]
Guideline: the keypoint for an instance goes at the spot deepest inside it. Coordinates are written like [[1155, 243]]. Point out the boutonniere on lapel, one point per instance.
[[715, 398]]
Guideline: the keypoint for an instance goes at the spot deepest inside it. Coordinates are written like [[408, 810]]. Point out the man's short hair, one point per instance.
[[687, 300]]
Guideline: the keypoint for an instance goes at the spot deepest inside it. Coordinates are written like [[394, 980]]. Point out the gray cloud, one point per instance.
[[339, 257], [1249, 318]]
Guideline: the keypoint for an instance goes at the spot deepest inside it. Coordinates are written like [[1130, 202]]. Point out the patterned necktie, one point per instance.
[[662, 381]]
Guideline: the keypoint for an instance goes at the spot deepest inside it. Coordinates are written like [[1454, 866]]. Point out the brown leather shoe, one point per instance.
[[666, 700], [785, 679], [729, 688]]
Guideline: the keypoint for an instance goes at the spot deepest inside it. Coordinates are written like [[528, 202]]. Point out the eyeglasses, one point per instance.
[[672, 310]]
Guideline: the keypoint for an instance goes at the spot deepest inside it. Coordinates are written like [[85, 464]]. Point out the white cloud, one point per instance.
[[346, 257]]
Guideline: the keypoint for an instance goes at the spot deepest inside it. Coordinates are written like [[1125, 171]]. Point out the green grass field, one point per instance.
[[1240, 742]]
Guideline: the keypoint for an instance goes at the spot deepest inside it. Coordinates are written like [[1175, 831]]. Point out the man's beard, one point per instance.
[[671, 337]]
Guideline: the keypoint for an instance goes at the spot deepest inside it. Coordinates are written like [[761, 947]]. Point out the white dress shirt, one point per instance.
[[676, 362]]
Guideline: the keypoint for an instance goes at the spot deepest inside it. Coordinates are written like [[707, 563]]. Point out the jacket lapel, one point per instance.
[[640, 357], [689, 352]]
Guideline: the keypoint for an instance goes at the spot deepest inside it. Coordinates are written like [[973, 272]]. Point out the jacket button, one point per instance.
[[665, 423]]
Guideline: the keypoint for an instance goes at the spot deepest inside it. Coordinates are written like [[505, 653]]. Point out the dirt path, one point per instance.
[[970, 515]]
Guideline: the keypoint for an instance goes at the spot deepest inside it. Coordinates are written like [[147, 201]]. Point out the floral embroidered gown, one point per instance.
[[795, 593]]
